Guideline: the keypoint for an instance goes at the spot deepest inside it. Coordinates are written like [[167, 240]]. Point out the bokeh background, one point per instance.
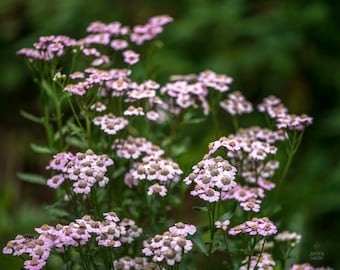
[[286, 48]]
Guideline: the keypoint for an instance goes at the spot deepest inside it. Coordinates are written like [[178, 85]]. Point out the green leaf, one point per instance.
[[74, 141], [196, 120], [56, 212], [200, 208], [31, 117], [74, 129], [47, 87], [218, 245], [200, 245], [230, 213], [40, 149], [119, 172], [32, 178]]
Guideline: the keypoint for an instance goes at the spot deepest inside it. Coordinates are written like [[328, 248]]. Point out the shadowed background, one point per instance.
[[286, 48]]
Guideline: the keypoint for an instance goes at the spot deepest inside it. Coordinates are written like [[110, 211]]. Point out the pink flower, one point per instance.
[[55, 181], [77, 75], [236, 104], [119, 44], [304, 266], [135, 147], [160, 19], [168, 247], [34, 264], [132, 110], [222, 224], [110, 124], [152, 115], [130, 57], [209, 195], [98, 106], [261, 226], [211, 176], [261, 261], [251, 205], [287, 236], [157, 189], [82, 187], [181, 228]]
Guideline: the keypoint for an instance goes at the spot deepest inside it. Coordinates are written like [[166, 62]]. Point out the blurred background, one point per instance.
[[285, 48]]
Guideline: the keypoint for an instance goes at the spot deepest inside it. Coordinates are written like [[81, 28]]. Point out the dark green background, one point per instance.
[[286, 48]]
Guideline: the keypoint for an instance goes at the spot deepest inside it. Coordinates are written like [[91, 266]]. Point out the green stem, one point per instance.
[[251, 251], [48, 130], [259, 256], [84, 259], [211, 215], [294, 143], [88, 127], [66, 258], [235, 123], [227, 250], [59, 124], [75, 113]]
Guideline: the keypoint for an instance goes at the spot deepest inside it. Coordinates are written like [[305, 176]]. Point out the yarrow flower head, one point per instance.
[[290, 237], [110, 232], [304, 266], [110, 123], [134, 148], [181, 228], [154, 168], [148, 31], [211, 176], [236, 104], [256, 226], [38, 249], [138, 263], [261, 261], [82, 169], [276, 110], [130, 57], [170, 246], [293, 122], [248, 197], [48, 48], [263, 245], [223, 225]]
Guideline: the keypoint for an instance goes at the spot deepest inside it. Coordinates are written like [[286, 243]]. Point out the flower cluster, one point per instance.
[[186, 91], [256, 226], [111, 232], [103, 90], [134, 148], [83, 169], [154, 168], [48, 47], [211, 176], [307, 266], [137, 263], [110, 123], [113, 34], [236, 104], [286, 236], [263, 245], [223, 225], [261, 261], [248, 197], [276, 110], [169, 247], [38, 249], [248, 151]]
